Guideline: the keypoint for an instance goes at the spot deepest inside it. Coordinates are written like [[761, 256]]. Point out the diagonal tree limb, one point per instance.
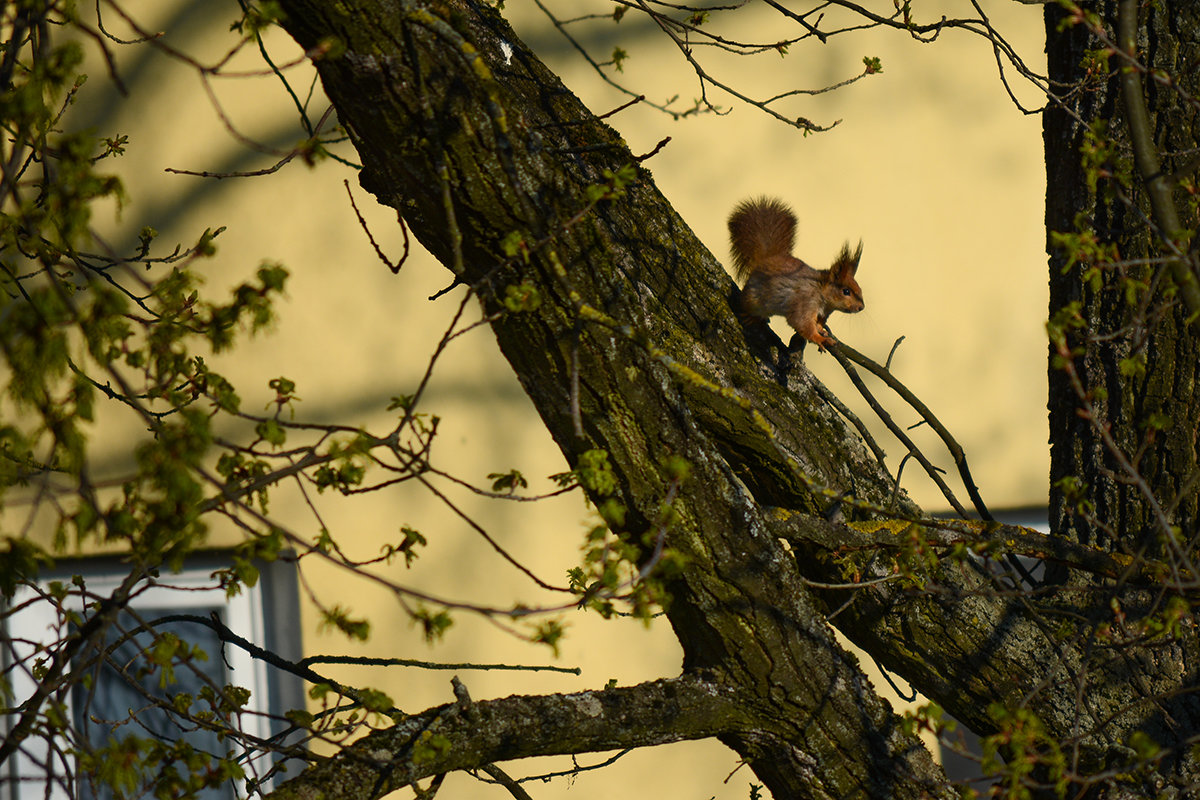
[[635, 313], [609, 263]]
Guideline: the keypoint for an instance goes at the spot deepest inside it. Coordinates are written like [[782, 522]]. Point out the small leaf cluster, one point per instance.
[[523, 297], [917, 559], [614, 184], [257, 17], [549, 632], [338, 618], [246, 557], [407, 547], [614, 560], [1021, 753], [508, 482], [607, 556], [928, 717], [134, 766], [345, 465], [433, 624]]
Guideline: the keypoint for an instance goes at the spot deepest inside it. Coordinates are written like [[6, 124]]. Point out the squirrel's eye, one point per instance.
[[845, 291]]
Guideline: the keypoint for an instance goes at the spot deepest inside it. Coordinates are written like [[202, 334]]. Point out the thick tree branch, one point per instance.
[[467, 736], [982, 539], [961, 636]]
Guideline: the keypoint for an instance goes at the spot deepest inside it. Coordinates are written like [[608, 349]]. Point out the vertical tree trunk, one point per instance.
[[1135, 358]]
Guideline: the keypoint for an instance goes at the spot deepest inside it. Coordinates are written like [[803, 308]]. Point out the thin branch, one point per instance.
[[839, 352], [843, 352], [412, 662]]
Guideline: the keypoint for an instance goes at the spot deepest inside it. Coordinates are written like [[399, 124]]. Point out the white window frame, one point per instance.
[[188, 591]]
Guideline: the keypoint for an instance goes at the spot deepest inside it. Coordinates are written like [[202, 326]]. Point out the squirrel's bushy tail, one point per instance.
[[761, 231]]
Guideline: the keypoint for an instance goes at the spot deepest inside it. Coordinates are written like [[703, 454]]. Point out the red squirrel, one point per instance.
[[761, 233]]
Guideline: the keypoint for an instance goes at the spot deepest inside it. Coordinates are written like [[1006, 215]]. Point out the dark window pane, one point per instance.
[[125, 683]]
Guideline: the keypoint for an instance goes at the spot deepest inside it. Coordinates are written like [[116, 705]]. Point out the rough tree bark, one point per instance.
[[473, 140], [1115, 329]]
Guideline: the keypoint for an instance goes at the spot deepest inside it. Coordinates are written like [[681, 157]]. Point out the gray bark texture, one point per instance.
[[1117, 327], [462, 130]]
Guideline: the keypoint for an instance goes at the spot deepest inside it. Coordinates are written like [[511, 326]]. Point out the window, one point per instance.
[[117, 698]]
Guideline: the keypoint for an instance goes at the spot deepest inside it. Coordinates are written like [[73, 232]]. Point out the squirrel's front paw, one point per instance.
[[822, 341]]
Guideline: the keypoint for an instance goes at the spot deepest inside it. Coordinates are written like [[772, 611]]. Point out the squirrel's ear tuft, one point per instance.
[[846, 263]]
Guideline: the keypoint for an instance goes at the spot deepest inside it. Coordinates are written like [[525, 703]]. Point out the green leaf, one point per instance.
[[375, 700], [339, 619], [271, 432], [408, 546], [524, 297], [595, 473], [618, 58], [549, 633], [507, 481], [434, 624]]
